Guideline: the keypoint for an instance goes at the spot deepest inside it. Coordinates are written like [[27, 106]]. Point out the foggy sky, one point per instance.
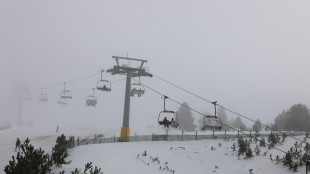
[[250, 56]]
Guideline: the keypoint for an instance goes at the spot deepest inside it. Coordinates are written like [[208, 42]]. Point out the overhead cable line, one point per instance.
[[82, 78], [229, 110], [87, 89], [194, 110], [68, 82]]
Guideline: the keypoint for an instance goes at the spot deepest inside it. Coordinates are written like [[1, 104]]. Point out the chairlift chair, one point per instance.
[[212, 122], [103, 85], [137, 89], [66, 94], [169, 116], [91, 100], [62, 101], [43, 96], [28, 96]]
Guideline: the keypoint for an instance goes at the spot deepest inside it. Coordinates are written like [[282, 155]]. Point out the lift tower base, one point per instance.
[[125, 134]]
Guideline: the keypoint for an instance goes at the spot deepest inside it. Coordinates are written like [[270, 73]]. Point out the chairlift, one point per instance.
[[212, 122], [27, 95], [137, 89], [170, 116], [103, 85], [91, 100], [43, 96], [66, 94], [62, 101]]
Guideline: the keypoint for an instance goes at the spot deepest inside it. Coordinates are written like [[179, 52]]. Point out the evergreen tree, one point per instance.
[[29, 161], [257, 125], [297, 118], [60, 151], [262, 142], [249, 153], [201, 120], [239, 124], [242, 144], [221, 113], [185, 118], [307, 148], [272, 140], [288, 159], [257, 150], [256, 136], [233, 147], [284, 135]]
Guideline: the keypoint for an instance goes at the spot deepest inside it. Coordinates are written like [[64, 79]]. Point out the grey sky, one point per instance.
[[250, 56]]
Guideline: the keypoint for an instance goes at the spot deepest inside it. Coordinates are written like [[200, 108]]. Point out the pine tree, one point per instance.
[[249, 153], [283, 137], [257, 150], [307, 148], [29, 161], [272, 140], [242, 144], [257, 125], [221, 113], [185, 118], [257, 134], [262, 142], [277, 159], [287, 159], [233, 147], [60, 151]]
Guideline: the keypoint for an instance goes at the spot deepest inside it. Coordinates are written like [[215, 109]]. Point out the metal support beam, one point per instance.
[[125, 130], [127, 101]]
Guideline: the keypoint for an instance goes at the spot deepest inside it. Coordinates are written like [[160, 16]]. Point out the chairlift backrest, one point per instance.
[[212, 123]]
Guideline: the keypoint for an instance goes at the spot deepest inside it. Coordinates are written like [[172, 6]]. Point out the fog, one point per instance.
[[250, 56]]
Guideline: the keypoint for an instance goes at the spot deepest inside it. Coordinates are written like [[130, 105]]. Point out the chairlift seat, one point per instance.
[[43, 98], [162, 123]]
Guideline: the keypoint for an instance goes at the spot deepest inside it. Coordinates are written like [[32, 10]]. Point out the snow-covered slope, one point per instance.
[[183, 157]]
